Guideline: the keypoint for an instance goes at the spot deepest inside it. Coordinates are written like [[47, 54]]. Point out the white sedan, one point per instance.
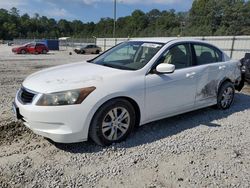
[[134, 83]]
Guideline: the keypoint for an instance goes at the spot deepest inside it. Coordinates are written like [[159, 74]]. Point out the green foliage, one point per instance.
[[224, 17], [206, 17]]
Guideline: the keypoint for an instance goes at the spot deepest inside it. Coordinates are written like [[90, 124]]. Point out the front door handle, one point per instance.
[[222, 67], [190, 75]]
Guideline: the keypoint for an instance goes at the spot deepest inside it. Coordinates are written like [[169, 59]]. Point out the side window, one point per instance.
[[179, 55], [39, 45], [206, 55], [31, 45]]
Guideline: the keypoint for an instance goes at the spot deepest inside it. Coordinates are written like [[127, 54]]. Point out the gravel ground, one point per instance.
[[205, 148]]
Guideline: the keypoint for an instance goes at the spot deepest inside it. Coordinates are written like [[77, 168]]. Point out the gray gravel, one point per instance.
[[205, 148]]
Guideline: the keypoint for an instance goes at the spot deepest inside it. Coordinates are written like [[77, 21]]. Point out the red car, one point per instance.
[[32, 48]]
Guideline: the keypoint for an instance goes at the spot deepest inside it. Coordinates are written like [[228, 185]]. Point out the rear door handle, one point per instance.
[[190, 75], [222, 67]]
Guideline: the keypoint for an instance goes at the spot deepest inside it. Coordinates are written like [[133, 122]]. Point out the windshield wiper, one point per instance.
[[89, 61], [116, 66], [108, 65]]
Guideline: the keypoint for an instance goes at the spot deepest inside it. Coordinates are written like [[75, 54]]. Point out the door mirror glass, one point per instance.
[[165, 68]]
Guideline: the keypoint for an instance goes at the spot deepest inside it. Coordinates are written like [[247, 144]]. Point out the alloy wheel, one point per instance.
[[116, 123], [227, 97]]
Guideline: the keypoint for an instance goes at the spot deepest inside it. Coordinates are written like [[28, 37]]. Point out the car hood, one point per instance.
[[67, 77], [18, 47]]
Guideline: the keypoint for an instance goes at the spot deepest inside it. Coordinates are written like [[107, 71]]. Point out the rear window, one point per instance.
[[207, 54]]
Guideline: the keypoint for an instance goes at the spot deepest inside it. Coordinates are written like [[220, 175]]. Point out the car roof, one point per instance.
[[40, 43], [34, 43], [166, 40]]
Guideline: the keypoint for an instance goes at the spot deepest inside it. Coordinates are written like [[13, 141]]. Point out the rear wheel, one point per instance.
[[44, 51], [225, 95], [112, 122], [97, 51]]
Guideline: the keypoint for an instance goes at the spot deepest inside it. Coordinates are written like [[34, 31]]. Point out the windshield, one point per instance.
[[129, 55], [82, 46], [29, 44]]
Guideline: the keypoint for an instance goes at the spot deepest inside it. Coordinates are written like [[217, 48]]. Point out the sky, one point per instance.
[[91, 10]]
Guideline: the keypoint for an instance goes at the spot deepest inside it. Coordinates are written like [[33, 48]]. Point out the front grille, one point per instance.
[[25, 96]]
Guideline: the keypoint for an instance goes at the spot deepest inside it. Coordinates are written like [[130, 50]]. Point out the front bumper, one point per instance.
[[63, 124]]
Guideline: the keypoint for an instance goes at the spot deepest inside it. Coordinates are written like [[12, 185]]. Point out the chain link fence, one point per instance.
[[234, 46], [73, 42]]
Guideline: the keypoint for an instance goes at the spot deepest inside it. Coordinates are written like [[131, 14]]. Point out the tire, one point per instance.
[[97, 51], [225, 96], [23, 51], [106, 128], [44, 51], [83, 52]]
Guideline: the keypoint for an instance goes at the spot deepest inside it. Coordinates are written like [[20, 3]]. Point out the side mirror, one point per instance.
[[165, 68]]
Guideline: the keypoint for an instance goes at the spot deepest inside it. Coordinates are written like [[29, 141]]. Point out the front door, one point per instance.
[[168, 94]]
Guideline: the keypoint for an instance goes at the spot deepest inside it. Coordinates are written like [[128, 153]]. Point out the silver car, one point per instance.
[[88, 49]]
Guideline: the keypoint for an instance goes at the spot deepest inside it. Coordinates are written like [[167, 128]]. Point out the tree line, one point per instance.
[[205, 18]]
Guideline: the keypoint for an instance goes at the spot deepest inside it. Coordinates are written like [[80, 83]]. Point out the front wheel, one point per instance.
[[23, 51], [113, 122], [225, 95]]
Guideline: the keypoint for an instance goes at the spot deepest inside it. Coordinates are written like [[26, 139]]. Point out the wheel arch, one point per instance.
[[130, 100], [136, 108], [226, 79]]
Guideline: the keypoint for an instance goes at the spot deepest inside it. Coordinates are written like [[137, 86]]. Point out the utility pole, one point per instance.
[[114, 28], [183, 24]]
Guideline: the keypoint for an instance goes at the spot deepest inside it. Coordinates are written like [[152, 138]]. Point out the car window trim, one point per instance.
[[194, 59]]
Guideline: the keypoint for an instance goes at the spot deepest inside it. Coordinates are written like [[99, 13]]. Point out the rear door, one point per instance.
[[93, 49], [39, 48], [88, 49], [210, 69]]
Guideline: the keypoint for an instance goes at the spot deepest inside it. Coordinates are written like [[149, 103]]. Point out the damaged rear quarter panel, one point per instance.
[[211, 77]]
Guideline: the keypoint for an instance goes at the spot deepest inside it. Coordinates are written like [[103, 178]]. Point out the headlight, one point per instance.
[[65, 98]]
